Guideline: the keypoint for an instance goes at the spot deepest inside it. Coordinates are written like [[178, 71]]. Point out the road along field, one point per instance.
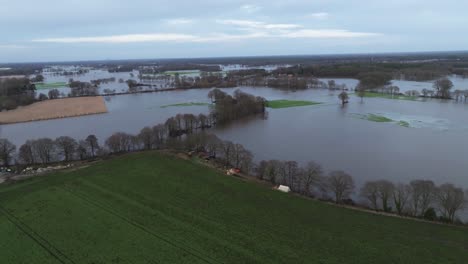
[[153, 208], [57, 108]]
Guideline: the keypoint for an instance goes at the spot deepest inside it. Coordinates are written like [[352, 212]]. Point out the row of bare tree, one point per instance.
[[420, 198], [308, 180]]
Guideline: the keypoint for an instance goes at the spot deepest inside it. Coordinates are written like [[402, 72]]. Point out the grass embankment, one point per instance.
[[184, 104], [389, 96], [151, 208], [41, 86], [289, 103]]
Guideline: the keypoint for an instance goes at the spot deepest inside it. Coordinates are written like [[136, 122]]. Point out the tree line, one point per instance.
[[419, 198], [66, 149], [16, 92], [228, 108]]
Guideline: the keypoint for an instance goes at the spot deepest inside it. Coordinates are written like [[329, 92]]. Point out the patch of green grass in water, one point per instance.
[[378, 118], [389, 96], [289, 103], [381, 119], [185, 104], [41, 86], [403, 123]]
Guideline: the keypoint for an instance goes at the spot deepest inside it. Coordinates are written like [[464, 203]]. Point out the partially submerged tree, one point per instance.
[[343, 96], [442, 87]]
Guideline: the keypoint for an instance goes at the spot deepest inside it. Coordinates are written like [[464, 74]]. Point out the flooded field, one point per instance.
[[432, 145]]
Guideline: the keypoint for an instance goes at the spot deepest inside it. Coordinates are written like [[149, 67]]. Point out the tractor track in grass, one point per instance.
[[191, 251], [38, 239]]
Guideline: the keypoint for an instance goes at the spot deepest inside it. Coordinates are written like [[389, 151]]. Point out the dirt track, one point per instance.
[[52, 109]]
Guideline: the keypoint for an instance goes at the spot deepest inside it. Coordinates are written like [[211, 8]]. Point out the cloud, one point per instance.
[[250, 29], [319, 15], [11, 46], [250, 8], [327, 33], [250, 24], [179, 21], [130, 38]]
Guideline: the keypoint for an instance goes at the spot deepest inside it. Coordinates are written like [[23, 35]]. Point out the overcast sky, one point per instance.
[[59, 30]]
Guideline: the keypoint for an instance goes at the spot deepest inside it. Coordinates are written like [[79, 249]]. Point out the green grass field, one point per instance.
[[41, 86], [184, 104], [276, 104], [152, 208], [389, 96]]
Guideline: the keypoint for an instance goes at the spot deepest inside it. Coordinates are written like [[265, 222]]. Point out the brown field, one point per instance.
[[52, 109]]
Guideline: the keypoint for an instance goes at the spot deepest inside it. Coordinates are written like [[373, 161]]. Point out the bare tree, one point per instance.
[[227, 149], [450, 199], [422, 195], [370, 191], [160, 134], [67, 147], [385, 190], [93, 144], [119, 142], [401, 195], [7, 150], [147, 137], [312, 176], [290, 171], [213, 145], [26, 154], [82, 150], [340, 184], [44, 149]]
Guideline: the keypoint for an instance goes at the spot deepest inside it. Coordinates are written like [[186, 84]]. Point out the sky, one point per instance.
[[64, 30]]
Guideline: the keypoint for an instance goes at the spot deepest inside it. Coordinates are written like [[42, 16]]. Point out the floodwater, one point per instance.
[[433, 147]]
